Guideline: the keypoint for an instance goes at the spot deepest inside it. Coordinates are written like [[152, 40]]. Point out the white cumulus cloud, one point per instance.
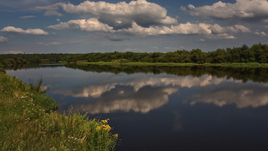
[[190, 6], [212, 31], [248, 10], [3, 39], [209, 30], [187, 28], [91, 24], [118, 15], [22, 31], [262, 33]]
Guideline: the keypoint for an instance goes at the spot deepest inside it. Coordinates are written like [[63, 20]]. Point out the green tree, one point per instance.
[[197, 56]]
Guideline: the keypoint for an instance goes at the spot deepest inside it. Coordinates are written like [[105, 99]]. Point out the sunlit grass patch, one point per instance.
[[125, 62], [249, 64], [81, 63]]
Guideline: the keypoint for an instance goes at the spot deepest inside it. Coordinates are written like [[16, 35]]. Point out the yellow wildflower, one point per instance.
[[98, 128], [106, 127], [116, 135], [104, 121]]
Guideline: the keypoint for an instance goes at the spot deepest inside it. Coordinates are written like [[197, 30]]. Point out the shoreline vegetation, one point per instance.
[[28, 123], [116, 63], [256, 55]]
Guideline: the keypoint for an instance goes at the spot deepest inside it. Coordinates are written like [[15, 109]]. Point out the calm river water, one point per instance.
[[166, 108]]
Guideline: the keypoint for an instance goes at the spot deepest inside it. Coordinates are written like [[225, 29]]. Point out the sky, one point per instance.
[[78, 26]]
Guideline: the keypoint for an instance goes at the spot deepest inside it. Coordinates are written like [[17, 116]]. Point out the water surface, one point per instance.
[[166, 108]]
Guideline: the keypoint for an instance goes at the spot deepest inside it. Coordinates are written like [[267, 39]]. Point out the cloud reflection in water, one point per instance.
[[139, 95], [254, 95], [125, 98]]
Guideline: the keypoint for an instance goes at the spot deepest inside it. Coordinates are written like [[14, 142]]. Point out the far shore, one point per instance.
[[251, 64]]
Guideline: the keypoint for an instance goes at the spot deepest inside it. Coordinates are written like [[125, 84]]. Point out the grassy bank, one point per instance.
[[252, 64], [27, 122], [135, 63]]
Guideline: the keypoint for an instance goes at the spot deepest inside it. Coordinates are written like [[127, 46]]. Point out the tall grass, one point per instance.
[[25, 123]]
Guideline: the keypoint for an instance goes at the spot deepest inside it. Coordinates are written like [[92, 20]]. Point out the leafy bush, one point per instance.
[[45, 60]]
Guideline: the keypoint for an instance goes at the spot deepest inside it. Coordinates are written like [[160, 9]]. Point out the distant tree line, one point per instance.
[[244, 54], [256, 53], [8, 60]]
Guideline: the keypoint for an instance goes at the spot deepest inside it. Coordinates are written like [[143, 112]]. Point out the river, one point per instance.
[[165, 108]]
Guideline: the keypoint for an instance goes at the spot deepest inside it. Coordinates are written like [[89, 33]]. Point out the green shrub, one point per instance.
[[44, 101], [39, 87], [45, 60]]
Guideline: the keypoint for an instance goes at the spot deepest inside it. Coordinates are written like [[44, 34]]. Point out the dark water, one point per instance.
[[166, 108]]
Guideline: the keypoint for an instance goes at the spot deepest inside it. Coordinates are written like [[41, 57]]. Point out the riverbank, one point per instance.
[[252, 64], [28, 123]]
